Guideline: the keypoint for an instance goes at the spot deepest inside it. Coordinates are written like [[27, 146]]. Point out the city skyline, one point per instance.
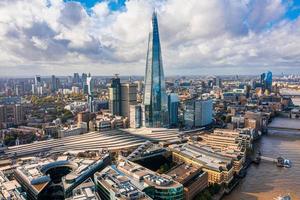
[[107, 37]]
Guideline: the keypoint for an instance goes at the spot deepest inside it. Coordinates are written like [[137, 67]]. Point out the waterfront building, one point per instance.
[[173, 104], [115, 96], [193, 179], [155, 98], [198, 113], [219, 167]]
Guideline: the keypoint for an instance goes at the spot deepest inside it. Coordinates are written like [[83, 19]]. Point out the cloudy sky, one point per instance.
[[106, 37]]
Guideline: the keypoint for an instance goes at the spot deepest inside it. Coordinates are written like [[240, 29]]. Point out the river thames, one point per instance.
[[266, 181]]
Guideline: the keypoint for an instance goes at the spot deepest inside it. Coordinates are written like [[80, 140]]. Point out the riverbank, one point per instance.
[[266, 181]]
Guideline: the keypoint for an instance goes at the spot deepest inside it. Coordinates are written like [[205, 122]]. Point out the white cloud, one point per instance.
[[51, 36]]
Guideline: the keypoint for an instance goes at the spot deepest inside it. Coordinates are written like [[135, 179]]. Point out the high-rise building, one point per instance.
[[198, 113], [135, 116], [155, 98], [54, 83], [90, 86], [173, 104], [115, 96], [128, 97], [266, 81], [83, 81], [37, 80], [76, 78]]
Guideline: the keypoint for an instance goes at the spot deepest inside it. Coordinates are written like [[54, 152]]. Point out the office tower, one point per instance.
[[83, 80], [37, 80], [54, 83], [155, 98], [266, 81], [135, 116], [76, 78], [90, 86], [115, 96], [173, 104], [128, 97], [198, 113]]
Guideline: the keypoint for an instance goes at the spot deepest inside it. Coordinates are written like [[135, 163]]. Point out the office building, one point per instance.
[[157, 186], [83, 82], [37, 80], [76, 78], [111, 184], [198, 113], [135, 119], [90, 87], [266, 81], [128, 97], [173, 104], [155, 98], [54, 83], [219, 167], [193, 179], [115, 96]]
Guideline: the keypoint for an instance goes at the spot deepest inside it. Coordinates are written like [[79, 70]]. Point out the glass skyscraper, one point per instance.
[[155, 98], [266, 81]]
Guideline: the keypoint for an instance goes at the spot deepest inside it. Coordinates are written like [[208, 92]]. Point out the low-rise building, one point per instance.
[[193, 179], [219, 167], [157, 186]]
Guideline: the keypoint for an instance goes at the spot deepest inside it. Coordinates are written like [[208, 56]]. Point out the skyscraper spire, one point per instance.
[[155, 99]]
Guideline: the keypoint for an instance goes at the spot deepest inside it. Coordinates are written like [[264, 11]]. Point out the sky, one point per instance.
[[104, 37]]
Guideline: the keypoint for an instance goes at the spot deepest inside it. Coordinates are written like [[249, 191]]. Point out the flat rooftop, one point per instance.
[[120, 184]]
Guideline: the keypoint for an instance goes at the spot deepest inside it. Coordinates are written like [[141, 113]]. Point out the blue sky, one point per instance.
[[107, 37], [113, 5]]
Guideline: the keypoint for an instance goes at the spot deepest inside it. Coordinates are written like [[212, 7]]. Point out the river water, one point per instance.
[[266, 181]]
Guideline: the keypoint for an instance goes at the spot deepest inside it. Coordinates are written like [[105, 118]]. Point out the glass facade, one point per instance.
[[266, 81], [155, 99]]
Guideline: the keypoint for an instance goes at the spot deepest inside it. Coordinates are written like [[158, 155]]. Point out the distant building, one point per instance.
[[37, 80], [90, 86], [198, 113], [54, 83], [173, 104], [115, 96], [135, 119], [266, 81]]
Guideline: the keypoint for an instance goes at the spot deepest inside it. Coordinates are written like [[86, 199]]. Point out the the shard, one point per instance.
[[155, 99]]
